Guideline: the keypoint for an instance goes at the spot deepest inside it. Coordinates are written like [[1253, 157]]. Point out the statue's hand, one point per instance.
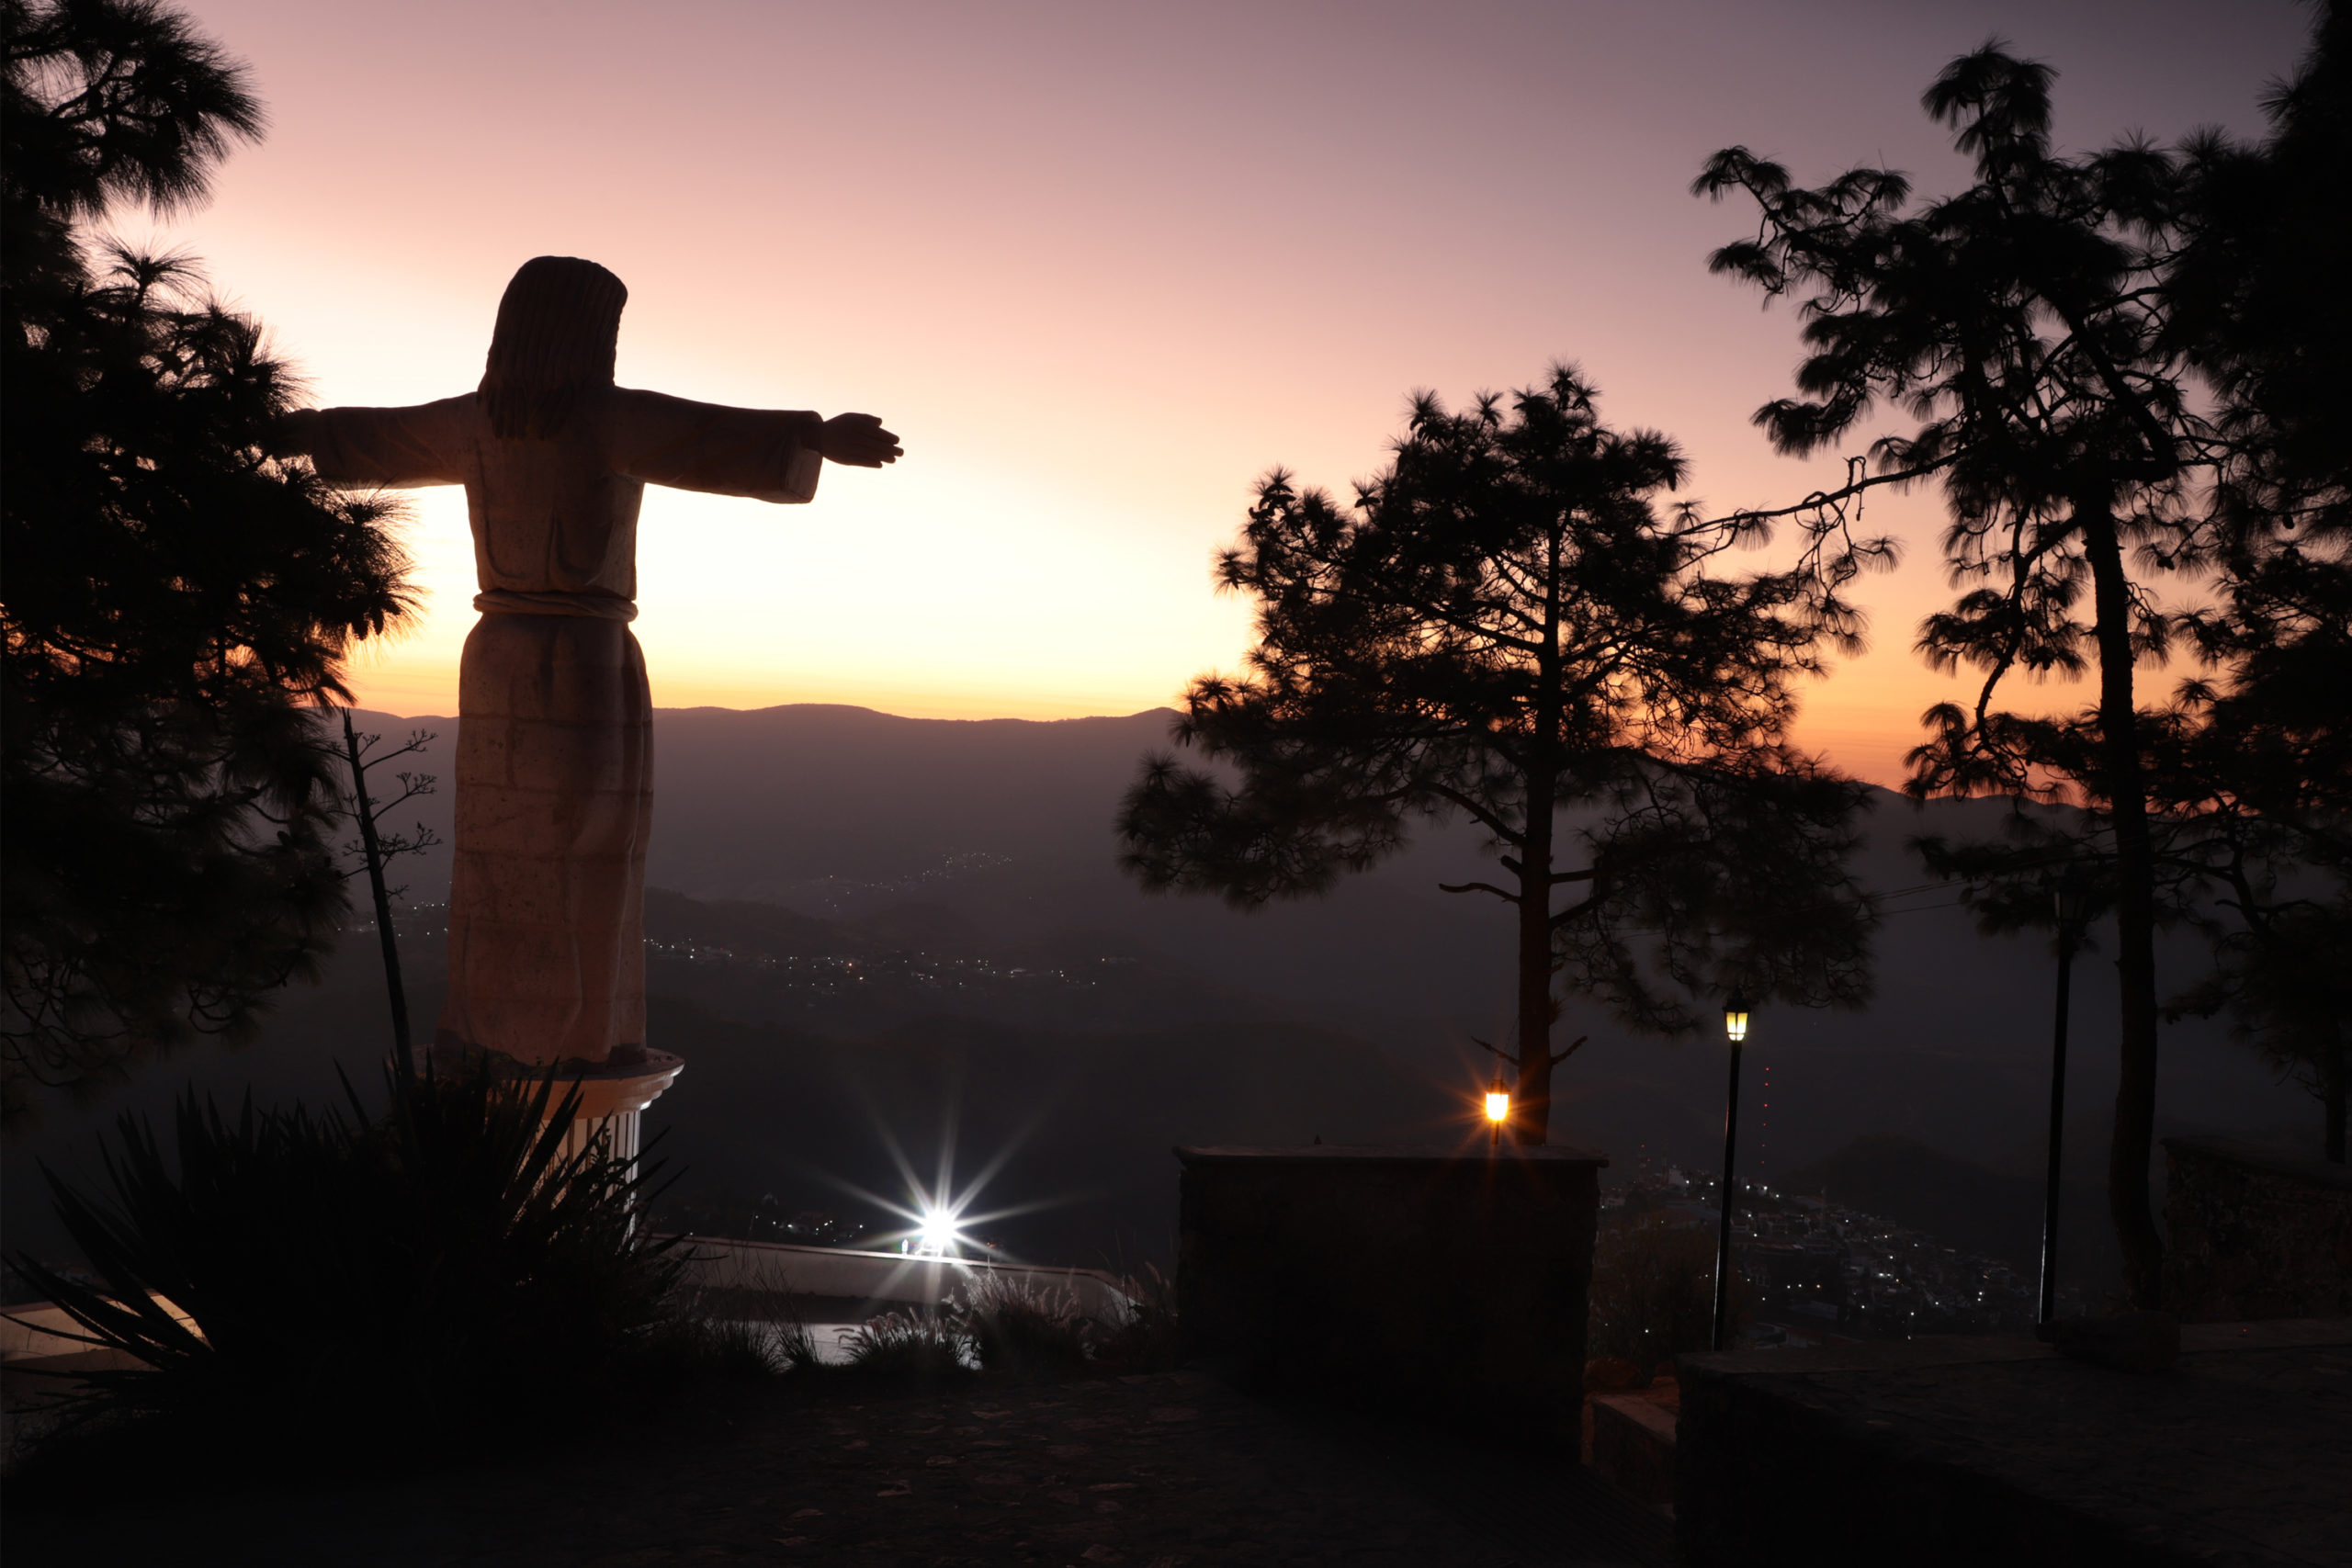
[[857, 439]]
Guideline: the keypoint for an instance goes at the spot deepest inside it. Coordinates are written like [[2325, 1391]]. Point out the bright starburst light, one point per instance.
[[937, 1235], [939, 1217]]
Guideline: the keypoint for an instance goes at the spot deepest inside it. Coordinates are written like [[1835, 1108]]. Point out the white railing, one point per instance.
[[885, 1277], [38, 1330]]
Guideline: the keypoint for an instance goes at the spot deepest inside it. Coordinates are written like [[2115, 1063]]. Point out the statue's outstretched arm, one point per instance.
[[766, 454], [423, 445]]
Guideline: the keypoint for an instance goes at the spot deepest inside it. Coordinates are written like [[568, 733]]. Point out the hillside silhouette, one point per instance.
[[1964, 1205]]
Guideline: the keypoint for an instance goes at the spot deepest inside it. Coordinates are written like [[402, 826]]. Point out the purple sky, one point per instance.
[[1100, 266]]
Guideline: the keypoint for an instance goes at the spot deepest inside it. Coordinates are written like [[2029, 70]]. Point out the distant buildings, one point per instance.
[[1819, 1271]]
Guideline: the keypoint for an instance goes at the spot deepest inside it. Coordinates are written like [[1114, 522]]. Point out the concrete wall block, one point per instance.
[[2255, 1233], [1426, 1278]]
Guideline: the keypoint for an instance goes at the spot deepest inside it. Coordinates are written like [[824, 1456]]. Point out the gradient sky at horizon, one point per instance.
[[1100, 266]]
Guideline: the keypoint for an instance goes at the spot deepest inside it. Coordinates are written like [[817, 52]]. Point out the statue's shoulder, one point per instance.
[[627, 400], [455, 423], [629, 417], [453, 415]]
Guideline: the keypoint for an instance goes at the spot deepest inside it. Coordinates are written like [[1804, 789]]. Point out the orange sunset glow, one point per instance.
[[1100, 267]]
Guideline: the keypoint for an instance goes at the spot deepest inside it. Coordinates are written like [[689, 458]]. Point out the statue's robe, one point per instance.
[[555, 745]]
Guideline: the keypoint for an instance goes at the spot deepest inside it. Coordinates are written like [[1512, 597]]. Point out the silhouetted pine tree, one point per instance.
[[2254, 784], [174, 599], [1503, 627], [2264, 757], [2027, 325], [2256, 299], [2267, 837]]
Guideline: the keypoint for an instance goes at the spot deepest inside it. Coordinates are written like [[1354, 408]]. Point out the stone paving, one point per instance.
[[1167, 1470]]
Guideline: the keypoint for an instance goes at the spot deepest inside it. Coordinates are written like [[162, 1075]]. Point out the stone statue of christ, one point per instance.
[[555, 758]]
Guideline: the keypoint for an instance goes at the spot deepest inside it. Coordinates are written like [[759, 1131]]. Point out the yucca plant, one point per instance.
[[1016, 1328], [358, 1283], [1148, 1335], [916, 1346], [1653, 1293]]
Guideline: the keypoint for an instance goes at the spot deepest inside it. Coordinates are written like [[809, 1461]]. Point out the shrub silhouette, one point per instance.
[[1653, 1292], [356, 1284]]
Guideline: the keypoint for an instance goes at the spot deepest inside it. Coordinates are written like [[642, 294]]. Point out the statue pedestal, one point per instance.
[[612, 1093], [615, 1095]]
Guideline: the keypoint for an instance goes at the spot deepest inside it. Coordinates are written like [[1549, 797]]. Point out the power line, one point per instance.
[[1921, 908]]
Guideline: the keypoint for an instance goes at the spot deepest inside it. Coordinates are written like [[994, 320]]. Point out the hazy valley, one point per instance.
[[873, 933]]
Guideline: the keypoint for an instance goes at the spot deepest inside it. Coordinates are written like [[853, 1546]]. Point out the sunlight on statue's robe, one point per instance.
[[555, 744]]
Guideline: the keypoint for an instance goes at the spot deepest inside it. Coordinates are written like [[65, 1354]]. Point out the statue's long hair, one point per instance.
[[559, 329]]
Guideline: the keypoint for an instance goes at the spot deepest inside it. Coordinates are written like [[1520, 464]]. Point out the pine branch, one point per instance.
[[1477, 888]]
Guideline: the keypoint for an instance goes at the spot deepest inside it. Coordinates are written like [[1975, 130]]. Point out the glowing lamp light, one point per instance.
[[935, 1234], [1735, 1019], [1497, 1106]]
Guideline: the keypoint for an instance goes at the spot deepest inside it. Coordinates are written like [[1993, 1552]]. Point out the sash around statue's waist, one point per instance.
[[520, 602]]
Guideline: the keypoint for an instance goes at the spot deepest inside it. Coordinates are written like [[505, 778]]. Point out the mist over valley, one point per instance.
[[868, 933]]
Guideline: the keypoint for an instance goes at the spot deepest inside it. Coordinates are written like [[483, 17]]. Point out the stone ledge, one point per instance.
[[2261, 1156], [2255, 1233], [1548, 1154], [1974, 1350], [1632, 1443], [1971, 1452]]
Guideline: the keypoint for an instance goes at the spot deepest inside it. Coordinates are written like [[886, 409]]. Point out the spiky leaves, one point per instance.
[[356, 1285]]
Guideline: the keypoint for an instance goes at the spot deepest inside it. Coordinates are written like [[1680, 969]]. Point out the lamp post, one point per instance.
[[1735, 1031], [2070, 902]]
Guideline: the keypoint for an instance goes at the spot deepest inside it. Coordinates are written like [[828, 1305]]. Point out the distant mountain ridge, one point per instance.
[[1961, 1203], [997, 834]]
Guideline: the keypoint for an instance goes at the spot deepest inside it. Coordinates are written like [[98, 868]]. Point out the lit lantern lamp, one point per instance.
[[1735, 1019], [1498, 1111]]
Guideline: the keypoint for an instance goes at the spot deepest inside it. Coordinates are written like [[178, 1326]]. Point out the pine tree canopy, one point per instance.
[[2122, 429], [2256, 761], [1503, 626], [176, 600]]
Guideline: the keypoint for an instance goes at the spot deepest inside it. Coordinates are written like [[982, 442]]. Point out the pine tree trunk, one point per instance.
[[403, 1055], [2128, 1196], [1531, 1111]]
